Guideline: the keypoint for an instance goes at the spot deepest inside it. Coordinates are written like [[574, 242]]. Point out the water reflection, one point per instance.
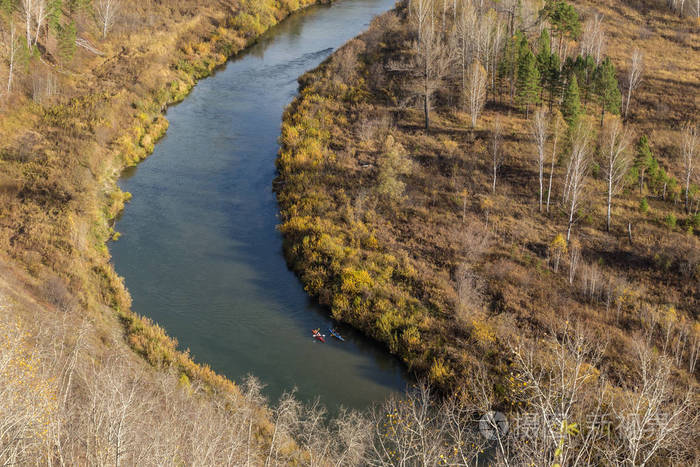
[[200, 252]]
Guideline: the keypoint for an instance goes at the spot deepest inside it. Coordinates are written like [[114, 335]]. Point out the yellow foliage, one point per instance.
[[558, 244], [483, 332], [439, 372]]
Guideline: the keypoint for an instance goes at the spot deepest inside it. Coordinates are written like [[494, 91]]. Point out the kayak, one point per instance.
[[318, 335], [335, 334]]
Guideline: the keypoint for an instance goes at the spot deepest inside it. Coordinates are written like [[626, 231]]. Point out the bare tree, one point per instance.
[[476, 90], [41, 13], [649, 418], [677, 5], [556, 132], [578, 168], [689, 153], [593, 38], [352, 438], [494, 49], [430, 56], [28, 14], [285, 417], [34, 13], [560, 386], [106, 14], [634, 76], [27, 399], [539, 129], [464, 30], [574, 259], [496, 149], [617, 160], [11, 53], [410, 431]]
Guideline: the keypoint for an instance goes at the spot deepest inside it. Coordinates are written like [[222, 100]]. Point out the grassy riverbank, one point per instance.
[[62, 153], [81, 108], [406, 233]]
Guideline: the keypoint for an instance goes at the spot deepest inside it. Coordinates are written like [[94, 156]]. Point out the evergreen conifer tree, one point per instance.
[[571, 106], [606, 89], [528, 83]]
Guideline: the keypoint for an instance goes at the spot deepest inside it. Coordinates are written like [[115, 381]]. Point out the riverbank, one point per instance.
[[238, 307], [69, 126], [61, 158], [431, 240]]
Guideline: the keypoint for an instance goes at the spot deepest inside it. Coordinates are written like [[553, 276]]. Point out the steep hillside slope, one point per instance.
[[83, 97]]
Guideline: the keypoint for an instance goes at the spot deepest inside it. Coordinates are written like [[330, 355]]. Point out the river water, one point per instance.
[[200, 253]]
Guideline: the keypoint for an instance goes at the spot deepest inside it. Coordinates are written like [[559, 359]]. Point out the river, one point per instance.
[[200, 252]]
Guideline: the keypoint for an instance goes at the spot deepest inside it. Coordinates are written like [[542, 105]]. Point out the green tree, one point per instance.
[[55, 9], [553, 80], [544, 60], [76, 5], [607, 89], [508, 66], [571, 106], [7, 7], [528, 83], [544, 52], [643, 159], [66, 41], [584, 69], [643, 206], [563, 19]]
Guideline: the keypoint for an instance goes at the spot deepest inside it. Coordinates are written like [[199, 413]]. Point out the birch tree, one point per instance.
[[41, 13], [689, 153], [593, 38], [477, 90], [649, 418], [106, 13], [557, 125], [578, 168], [12, 48], [617, 160], [539, 131], [496, 150], [464, 27], [634, 76], [34, 14], [560, 387], [27, 15]]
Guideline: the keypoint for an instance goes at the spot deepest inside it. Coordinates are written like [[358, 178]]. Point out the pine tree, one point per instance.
[[508, 66], [554, 80], [564, 20], [55, 8], [544, 59], [76, 5], [544, 52], [584, 68], [528, 83], [571, 106], [66, 41], [606, 89]]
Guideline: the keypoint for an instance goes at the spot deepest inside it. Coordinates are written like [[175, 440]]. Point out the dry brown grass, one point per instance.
[[620, 291], [60, 156]]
